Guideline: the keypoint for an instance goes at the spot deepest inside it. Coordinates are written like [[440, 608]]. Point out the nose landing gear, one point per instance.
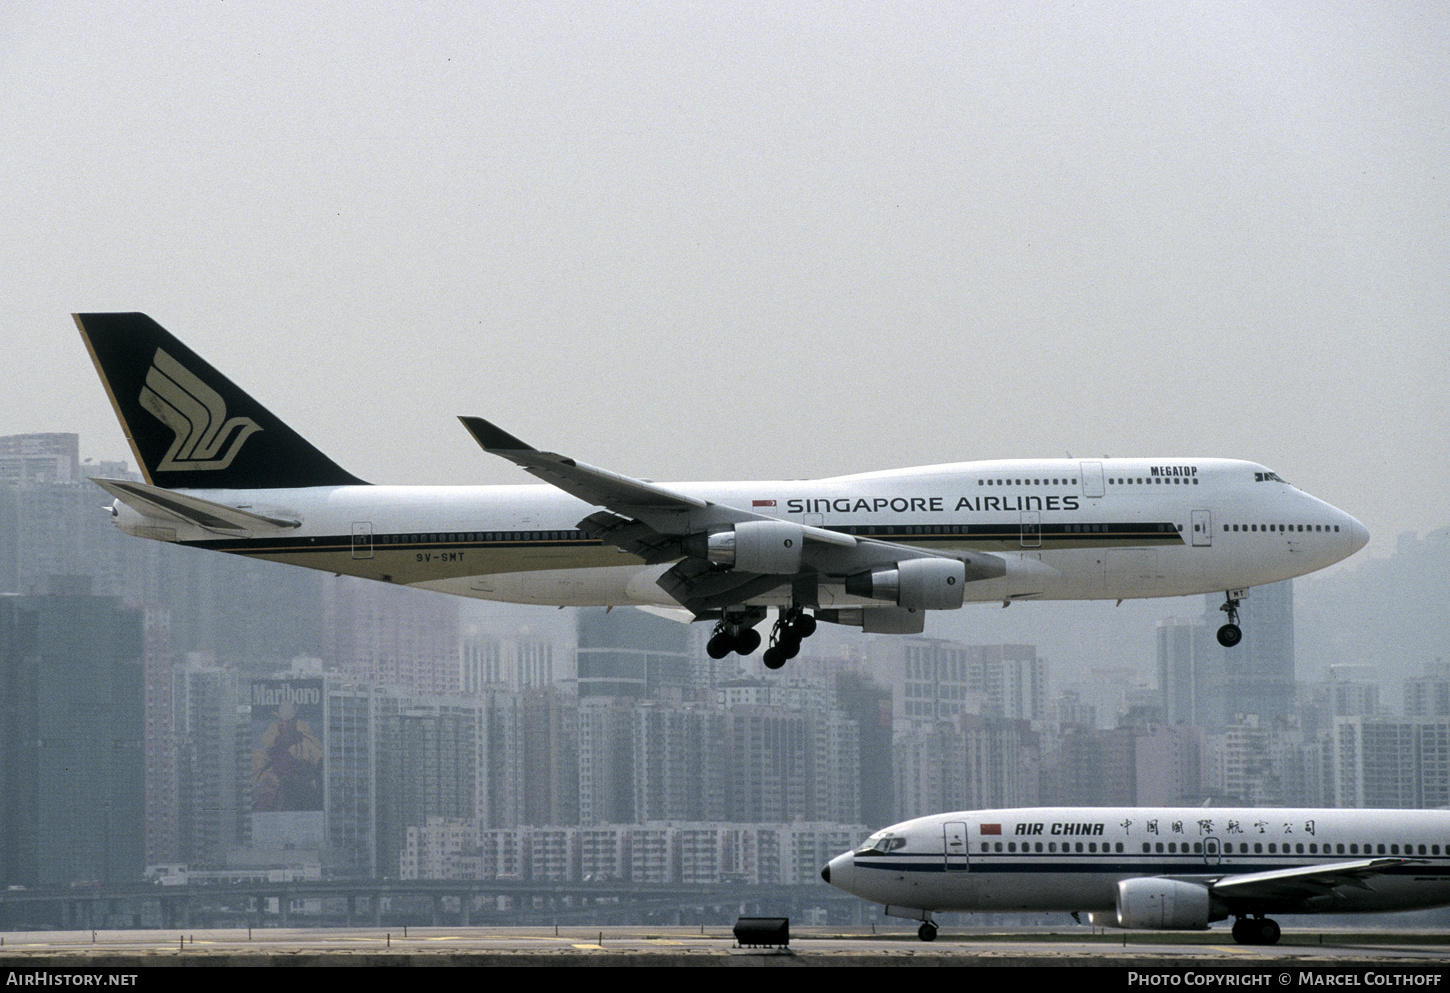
[[1230, 635]]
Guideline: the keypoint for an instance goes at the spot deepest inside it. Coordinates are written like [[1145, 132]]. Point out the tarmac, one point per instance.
[[1425, 953]]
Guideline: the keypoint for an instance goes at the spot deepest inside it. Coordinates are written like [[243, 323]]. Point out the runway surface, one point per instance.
[[1420, 951]]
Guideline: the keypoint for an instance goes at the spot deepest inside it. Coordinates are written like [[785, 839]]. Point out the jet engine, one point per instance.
[[916, 584], [1161, 904], [768, 547]]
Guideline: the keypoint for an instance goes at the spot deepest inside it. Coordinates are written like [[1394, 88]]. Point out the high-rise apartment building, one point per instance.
[[939, 680], [72, 791]]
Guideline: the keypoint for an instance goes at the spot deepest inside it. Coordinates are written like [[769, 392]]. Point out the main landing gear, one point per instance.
[[736, 633], [1229, 635], [1255, 931], [793, 627], [927, 931]]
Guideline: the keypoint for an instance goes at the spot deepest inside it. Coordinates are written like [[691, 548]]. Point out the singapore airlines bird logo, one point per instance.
[[196, 413]]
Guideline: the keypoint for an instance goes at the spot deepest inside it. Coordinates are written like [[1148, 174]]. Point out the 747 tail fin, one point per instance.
[[189, 426]]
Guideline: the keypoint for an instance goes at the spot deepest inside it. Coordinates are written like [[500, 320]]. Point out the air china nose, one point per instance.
[[839, 870]]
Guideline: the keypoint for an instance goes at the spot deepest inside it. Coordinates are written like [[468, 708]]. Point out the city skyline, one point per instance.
[[439, 725]]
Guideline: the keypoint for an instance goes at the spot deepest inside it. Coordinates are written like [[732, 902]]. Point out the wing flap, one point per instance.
[[1304, 882], [631, 536], [700, 587]]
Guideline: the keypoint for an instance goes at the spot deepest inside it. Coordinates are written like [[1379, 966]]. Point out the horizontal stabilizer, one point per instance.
[[168, 505]]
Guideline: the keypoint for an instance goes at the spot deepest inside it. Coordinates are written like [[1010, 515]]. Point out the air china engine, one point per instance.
[[1160, 905]]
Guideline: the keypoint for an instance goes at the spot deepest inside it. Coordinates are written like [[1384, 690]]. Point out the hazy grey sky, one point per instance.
[[728, 240]]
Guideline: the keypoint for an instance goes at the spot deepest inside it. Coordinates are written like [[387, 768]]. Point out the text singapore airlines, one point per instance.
[[875, 550]]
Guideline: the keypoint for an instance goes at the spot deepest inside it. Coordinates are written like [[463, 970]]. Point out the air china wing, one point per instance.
[[660, 525], [1305, 882]]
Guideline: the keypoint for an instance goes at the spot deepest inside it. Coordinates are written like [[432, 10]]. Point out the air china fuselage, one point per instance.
[[1156, 868], [1067, 529]]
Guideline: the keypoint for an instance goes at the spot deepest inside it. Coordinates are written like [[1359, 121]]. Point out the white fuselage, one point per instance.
[[1068, 529], [1071, 859]]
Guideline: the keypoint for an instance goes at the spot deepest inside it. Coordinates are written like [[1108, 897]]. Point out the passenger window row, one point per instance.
[[1083, 847], [1281, 528], [475, 536], [1027, 482], [1150, 480], [1196, 848]]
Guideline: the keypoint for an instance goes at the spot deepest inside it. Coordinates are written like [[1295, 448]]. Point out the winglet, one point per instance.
[[589, 483], [492, 438]]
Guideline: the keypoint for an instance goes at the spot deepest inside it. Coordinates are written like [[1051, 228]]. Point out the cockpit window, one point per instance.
[[1269, 477], [880, 844]]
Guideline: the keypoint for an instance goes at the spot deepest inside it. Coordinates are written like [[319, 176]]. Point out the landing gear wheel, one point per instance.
[[735, 633], [1258, 931], [1229, 635], [927, 931], [793, 626]]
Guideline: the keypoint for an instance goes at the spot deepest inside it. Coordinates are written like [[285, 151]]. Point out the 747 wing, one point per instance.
[[727, 556]]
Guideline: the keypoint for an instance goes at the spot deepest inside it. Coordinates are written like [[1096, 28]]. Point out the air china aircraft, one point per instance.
[[875, 550], [1155, 868]]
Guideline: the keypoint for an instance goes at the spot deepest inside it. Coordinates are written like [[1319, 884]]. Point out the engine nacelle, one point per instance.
[[917, 584], [1162, 904], [767, 547], [877, 620]]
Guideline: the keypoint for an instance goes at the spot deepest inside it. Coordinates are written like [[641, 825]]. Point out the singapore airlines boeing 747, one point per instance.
[[875, 550]]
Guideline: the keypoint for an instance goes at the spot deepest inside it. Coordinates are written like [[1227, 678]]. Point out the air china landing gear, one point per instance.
[[735, 633], [1255, 931], [793, 627], [1229, 635], [927, 931]]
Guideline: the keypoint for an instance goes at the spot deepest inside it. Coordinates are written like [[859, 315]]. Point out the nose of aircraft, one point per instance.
[[838, 871], [1358, 536]]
